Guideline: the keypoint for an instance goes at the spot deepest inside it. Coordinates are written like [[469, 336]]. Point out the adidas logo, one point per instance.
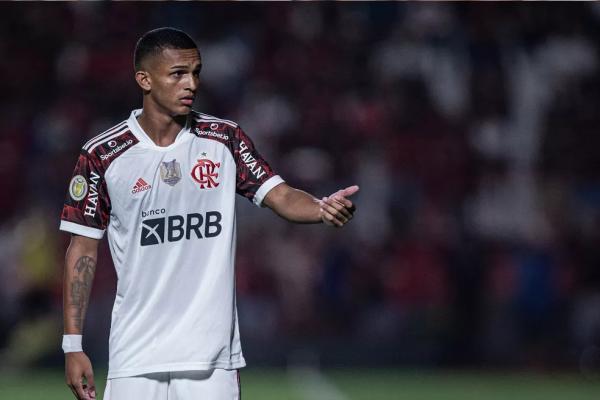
[[140, 186]]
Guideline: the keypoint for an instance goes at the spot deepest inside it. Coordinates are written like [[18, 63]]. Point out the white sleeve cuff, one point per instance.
[[81, 230], [265, 188]]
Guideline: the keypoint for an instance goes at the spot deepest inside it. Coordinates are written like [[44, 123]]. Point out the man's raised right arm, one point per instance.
[[80, 267]]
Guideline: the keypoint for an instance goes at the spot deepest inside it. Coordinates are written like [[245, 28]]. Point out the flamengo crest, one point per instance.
[[205, 173]]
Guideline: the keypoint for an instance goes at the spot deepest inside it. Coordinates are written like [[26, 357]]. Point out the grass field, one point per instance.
[[352, 385]]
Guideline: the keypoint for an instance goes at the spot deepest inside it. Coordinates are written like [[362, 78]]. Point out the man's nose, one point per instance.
[[193, 83]]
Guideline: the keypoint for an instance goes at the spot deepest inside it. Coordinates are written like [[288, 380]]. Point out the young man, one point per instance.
[[163, 184]]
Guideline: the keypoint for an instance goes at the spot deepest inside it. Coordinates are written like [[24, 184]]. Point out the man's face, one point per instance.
[[173, 77]]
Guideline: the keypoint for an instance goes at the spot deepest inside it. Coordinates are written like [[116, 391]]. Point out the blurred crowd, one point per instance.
[[470, 129]]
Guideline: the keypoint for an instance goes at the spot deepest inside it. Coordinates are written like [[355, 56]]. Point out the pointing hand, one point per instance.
[[337, 210]]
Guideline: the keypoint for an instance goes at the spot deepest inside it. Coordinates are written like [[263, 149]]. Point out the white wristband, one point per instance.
[[71, 343]]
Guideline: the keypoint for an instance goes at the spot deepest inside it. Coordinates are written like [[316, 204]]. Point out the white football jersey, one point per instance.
[[170, 216]]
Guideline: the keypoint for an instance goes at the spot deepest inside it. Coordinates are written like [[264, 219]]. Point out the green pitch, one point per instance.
[[352, 384]]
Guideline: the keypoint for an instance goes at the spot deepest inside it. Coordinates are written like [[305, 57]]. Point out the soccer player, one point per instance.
[[163, 184]]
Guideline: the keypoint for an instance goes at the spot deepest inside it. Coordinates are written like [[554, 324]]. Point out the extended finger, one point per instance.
[[349, 191]]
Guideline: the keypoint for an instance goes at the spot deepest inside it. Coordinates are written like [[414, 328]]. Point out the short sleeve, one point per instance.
[[255, 177], [87, 206]]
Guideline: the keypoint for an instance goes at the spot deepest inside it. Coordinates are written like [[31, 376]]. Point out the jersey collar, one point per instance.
[[143, 137]]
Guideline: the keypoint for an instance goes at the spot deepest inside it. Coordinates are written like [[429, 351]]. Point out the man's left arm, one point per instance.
[[298, 206]]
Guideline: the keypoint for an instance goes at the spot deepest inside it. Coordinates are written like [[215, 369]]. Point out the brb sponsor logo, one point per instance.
[[174, 228]]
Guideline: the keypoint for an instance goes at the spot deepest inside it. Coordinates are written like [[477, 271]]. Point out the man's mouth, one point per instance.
[[188, 101]]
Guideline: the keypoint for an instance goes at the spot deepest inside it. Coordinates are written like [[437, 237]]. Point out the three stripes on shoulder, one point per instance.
[[105, 136]]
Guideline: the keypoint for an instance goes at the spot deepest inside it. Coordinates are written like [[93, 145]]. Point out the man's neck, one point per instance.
[[161, 128]]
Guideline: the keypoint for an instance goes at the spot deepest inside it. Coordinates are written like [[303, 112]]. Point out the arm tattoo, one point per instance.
[[81, 286]]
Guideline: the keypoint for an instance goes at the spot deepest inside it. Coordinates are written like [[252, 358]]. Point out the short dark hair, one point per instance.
[[156, 40]]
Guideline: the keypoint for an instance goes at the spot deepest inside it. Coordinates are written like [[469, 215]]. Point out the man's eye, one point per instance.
[[178, 73]]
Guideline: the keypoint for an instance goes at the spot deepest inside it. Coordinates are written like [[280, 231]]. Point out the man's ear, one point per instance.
[[143, 80]]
